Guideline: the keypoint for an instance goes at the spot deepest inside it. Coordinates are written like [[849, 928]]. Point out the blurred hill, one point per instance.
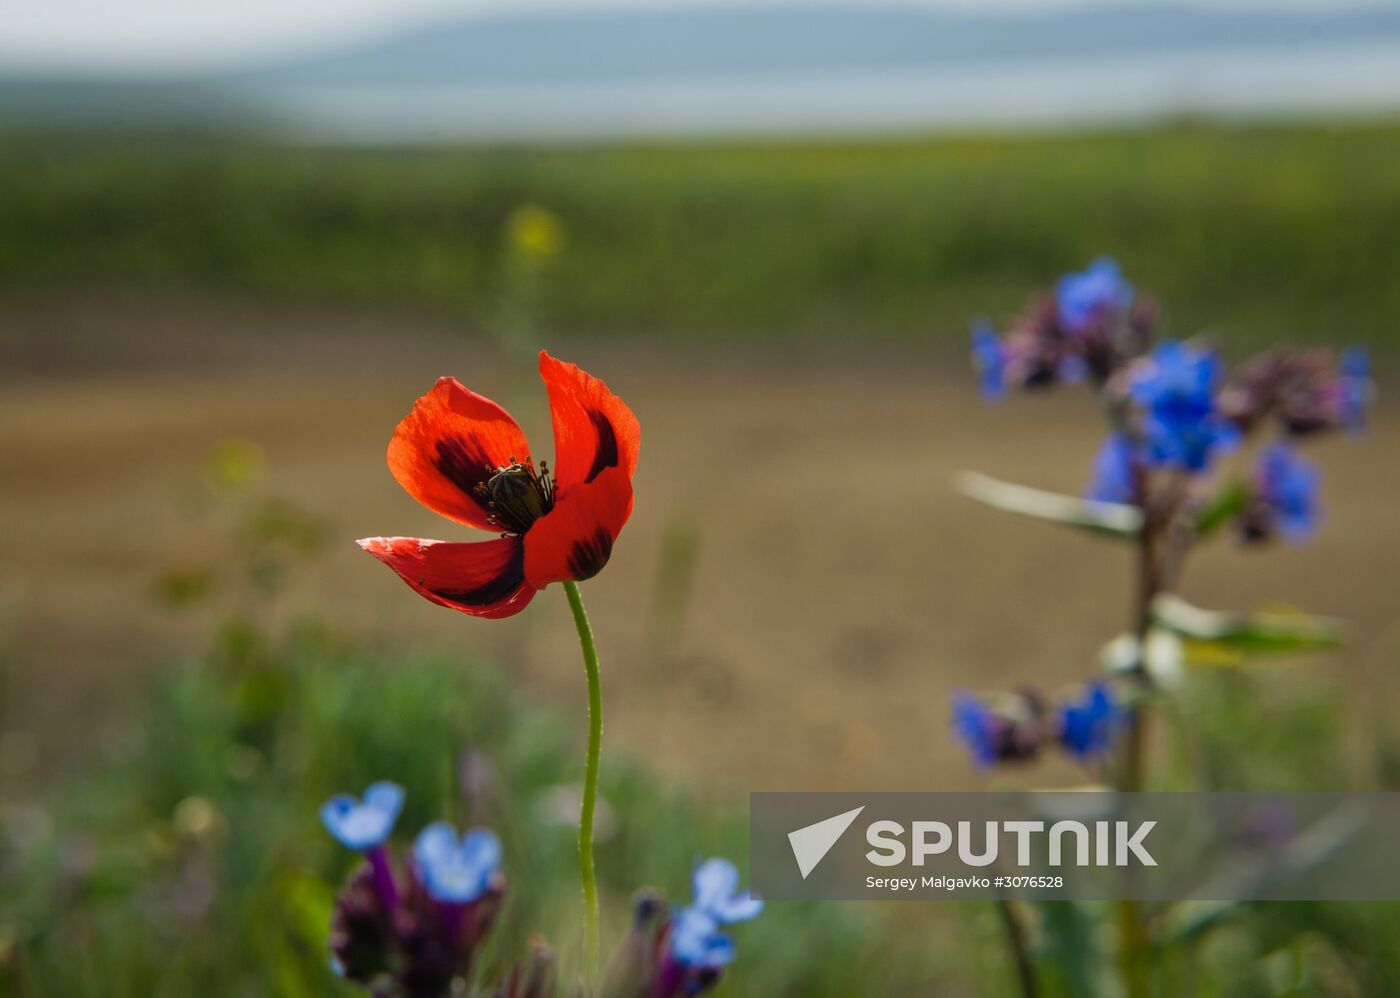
[[759, 68], [721, 41]]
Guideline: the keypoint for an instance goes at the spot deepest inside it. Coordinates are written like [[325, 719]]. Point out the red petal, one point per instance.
[[451, 441], [485, 579], [574, 540], [593, 428]]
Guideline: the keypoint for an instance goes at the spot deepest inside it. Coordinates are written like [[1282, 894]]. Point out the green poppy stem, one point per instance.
[[590, 779]]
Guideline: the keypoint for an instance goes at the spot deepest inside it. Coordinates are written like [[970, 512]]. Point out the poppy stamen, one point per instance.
[[517, 495]]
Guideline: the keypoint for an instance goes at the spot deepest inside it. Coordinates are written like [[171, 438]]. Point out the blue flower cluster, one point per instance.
[[692, 948], [419, 931], [1092, 295], [1176, 388], [1178, 426], [1020, 725], [423, 927], [1084, 330], [695, 937], [451, 870], [1172, 406]]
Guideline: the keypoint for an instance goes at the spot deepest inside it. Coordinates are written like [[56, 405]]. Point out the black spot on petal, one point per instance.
[[463, 462], [605, 453], [587, 557], [494, 590]]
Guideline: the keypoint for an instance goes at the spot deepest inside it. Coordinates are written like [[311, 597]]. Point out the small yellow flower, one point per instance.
[[535, 233]]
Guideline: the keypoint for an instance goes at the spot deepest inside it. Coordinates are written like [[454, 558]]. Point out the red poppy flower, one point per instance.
[[463, 456]]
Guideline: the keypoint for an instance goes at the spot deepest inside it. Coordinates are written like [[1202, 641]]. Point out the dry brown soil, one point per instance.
[[843, 588]]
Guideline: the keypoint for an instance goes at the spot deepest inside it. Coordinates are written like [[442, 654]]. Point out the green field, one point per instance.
[[1259, 232]]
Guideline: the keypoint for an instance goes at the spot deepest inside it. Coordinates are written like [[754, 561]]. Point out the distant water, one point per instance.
[[1246, 82]]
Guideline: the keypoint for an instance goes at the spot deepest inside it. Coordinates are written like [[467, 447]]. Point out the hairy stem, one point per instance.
[[1133, 941], [1016, 941], [590, 779]]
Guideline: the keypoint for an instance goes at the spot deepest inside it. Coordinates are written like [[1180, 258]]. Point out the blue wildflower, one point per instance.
[[1113, 479], [695, 938], [1176, 390], [989, 360], [1286, 484], [977, 727], [697, 942], [453, 870], [1088, 726], [1085, 297], [1355, 393], [364, 824], [716, 883]]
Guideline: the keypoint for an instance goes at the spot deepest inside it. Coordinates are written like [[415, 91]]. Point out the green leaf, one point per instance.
[[1223, 506], [1187, 920], [1247, 632], [1108, 518]]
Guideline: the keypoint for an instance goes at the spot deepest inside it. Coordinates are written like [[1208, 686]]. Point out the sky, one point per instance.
[[173, 35]]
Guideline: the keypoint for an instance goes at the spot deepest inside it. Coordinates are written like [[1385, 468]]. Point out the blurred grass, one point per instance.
[[1262, 232], [191, 860]]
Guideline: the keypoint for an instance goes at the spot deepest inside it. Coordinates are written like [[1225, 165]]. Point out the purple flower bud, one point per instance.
[[438, 940], [1284, 500], [532, 977], [635, 970], [1012, 732], [1036, 350], [362, 935], [1303, 389]]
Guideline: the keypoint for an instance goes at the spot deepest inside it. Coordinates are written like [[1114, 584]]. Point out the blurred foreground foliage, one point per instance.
[[191, 860], [1268, 232]]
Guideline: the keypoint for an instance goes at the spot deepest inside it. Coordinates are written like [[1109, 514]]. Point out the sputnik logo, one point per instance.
[[812, 843]]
